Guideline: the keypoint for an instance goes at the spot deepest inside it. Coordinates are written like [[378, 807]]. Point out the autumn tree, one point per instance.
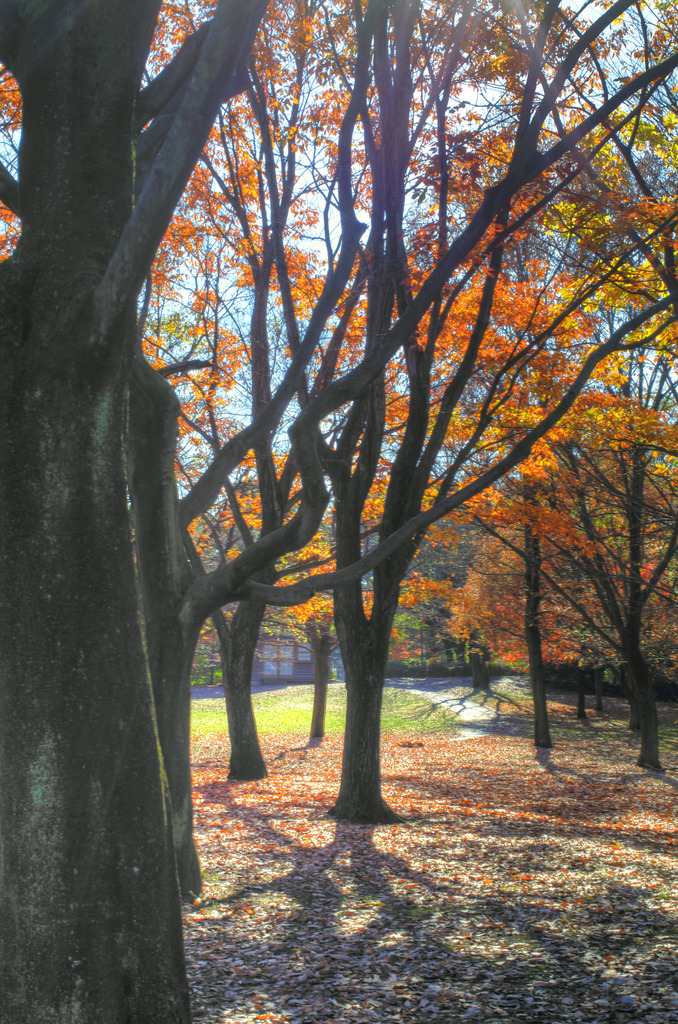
[[420, 632], [245, 201], [465, 349], [624, 500], [442, 287], [311, 625], [601, 516], [241, 206]]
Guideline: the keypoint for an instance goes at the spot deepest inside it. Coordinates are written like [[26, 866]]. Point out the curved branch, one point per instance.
[[171, 79], [217, 76]]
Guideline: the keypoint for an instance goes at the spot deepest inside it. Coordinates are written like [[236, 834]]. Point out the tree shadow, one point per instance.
[[544, 757], [359, 933]]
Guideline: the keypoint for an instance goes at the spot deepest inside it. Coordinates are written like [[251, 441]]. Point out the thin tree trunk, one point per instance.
[[164, 574], [322, 648], [642, 685], [542, 733], [480, 670], [628, 689], [598, 683], [581, 693], [422, 653]]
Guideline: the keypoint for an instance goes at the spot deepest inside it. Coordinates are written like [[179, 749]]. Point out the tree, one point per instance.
[[420, 632], [246, 201], [458, 368], [91, 924], [451, 434], [624, 501], [533, 594], [600, 526], [310, 624], [179, 594]]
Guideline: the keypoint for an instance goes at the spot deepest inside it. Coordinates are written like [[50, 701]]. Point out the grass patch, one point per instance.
[[279, 712], [208, 718]]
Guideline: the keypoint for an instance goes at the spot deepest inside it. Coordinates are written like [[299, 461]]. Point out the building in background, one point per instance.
[[282, 661]]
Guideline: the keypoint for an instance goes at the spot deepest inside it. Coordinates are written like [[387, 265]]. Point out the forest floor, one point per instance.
[[522, 885]]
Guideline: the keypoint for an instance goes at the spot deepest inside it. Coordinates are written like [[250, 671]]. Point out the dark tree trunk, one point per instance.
[[90, 927], [641, 685], [598, 684], [164, 575], [321, 644], [87, 847], [480, 670], [542, 733], [238, 644], [364, 656], [581, 692], [626, 687]]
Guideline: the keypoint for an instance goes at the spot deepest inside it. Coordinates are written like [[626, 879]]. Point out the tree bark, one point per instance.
[[581, 692], [598, 684], [321, 644], [480, 670], [642, 686], [365, 656], [87, 842], [542, 733], [622, 674], [164, 575], [89, 902], [238, 644]]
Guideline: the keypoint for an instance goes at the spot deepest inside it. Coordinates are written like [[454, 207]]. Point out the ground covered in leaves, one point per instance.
[[523, 885]]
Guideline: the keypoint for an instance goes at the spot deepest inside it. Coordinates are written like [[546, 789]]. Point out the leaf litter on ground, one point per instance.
[[523, 884]]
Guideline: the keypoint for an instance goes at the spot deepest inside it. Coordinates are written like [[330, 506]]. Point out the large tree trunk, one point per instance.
[[321, 644], [238, 644], [89, 904], [364, 650], [90, 927], [542, 733], [164, 575]]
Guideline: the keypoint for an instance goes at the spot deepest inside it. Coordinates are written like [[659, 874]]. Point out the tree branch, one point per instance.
[[302, 591], [217, 76], [9, 191]]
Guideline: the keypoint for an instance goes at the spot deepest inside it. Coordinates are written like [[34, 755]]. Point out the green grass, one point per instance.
[[289, 710], [208, 717]]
